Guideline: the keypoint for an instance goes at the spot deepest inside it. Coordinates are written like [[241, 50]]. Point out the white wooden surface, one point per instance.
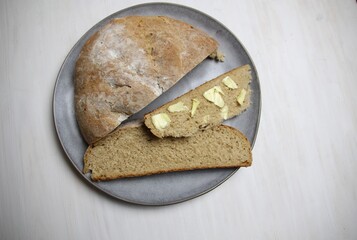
[[302, 184]]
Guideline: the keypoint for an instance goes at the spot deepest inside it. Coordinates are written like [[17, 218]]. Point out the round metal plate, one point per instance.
[[167, 188]]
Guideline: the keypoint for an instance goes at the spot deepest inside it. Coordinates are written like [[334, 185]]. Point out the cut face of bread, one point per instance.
[[130, 62], [133, 151], [206, 106]]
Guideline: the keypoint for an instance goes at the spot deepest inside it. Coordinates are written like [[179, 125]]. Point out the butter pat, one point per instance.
[[177, 107], [241, 96], [195, 104], [161, 121], [229, 83], [214, 95], [224, 112], [218, 89]]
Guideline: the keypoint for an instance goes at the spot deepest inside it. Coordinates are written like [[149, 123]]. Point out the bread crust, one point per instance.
[[130, 62]]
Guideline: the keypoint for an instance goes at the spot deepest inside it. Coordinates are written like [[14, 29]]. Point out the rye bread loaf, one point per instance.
[[183, 123], [132, 151], [130, 62]]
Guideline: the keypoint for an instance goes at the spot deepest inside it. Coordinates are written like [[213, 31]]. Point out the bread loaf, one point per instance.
[[132, 151], [130, 62], [197, 109]]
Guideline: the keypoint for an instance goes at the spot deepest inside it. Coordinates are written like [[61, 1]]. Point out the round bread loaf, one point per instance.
[[130, 62]]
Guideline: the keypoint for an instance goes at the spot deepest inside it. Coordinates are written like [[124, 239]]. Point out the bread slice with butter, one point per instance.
[[132, 151], [204, 107]]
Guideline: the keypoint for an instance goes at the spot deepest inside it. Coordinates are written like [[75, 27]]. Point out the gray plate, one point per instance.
[[167, 188]]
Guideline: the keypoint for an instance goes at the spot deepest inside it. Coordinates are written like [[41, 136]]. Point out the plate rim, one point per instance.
[[130, 201]]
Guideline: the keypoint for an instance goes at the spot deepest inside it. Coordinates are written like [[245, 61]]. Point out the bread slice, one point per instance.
[[128, 63], [132, 151], [207, 114]]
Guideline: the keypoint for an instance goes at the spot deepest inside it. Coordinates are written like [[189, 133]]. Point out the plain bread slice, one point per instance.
[[132, 151]]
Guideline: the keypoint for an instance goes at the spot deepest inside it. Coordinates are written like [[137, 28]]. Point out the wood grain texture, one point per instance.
[[302, 184]]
